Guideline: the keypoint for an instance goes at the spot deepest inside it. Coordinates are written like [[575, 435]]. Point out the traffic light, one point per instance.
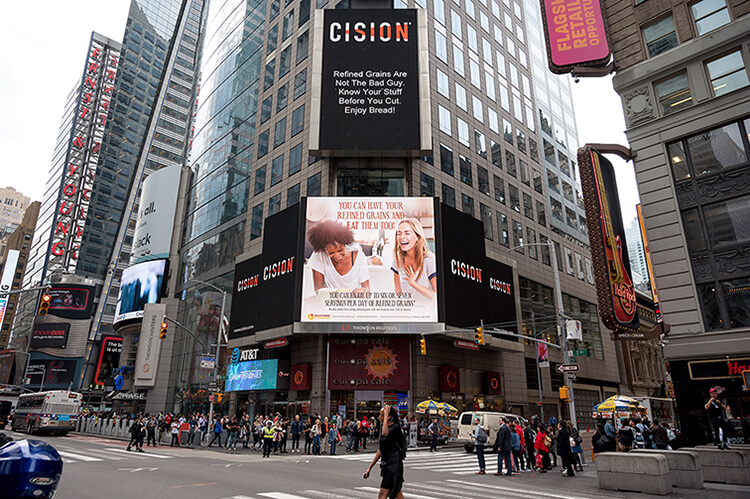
[[422, 347], [479, 336], [44, 304], [564, 393], [163, 332]]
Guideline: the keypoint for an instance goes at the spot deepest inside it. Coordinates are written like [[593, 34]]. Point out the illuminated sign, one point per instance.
[[575, 34], [140, 284], [109, 359], [609, 253], [253, 375], [369, 363], [50, 335], [83, 154]]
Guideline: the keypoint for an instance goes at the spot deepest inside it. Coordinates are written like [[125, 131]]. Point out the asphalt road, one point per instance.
[[99, 468]]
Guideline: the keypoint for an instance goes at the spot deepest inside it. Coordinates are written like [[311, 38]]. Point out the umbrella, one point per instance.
[[433, 406], [617, 403]]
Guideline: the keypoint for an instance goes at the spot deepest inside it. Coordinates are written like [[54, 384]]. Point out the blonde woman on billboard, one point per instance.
[[414, 267], [337, 262]]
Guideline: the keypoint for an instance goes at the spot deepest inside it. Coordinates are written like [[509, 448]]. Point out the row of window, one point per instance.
[[274, 203]]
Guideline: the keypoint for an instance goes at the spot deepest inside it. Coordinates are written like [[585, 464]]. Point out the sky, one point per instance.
[[36, 77]]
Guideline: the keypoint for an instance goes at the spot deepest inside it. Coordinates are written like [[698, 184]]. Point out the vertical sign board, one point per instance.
[[109, 359], [153, 229], [6, 282], [373, 95], [149, 345], [609, 253], [245, 298], [649, 264], [502, 296], [575, 33], [83, 154]]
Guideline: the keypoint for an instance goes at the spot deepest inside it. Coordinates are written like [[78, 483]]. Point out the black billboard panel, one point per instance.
[[369, 84], [464, 282], [609, 252], [280, 270], [245, 298], [501, 296], [50, 335], [55, 372], [109, 359], [72, 301]]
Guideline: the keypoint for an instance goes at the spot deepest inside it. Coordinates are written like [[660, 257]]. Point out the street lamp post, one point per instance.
[[218, 339]]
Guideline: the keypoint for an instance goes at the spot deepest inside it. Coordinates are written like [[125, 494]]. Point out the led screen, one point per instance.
[[140, 284], [252, 375]]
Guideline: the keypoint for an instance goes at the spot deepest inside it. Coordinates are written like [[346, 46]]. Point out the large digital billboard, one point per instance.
[[50, 335], [109, 359], [609, 253], [252, 375], [72, 301], [370, 260], [153, 229], [140, 284], [370, 69], [245, 298], [369, 363]]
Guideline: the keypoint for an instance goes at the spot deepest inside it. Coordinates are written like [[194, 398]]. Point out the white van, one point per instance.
[[490, 421]]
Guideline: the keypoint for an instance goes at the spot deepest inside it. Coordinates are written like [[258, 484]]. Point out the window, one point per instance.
[[715, 150], [582, 224], [531, 242], [444, 117], [726, 221], [461, 97], [446, 159], [303, 42], [483, 180], [493, 120], [557, 210], [497, 154], [277, 169], [549, 152], [507, 132], [273, 35], [567, 190], [518, 236], [502, 223], [282, 97], [541, 216], [426, 185], [579, 267], [279, 135], [477, 108], [515, 202], [456, 24], [443, 84], [295, 159], [553, 182], [571, 218], [727, 73], [528, 206], [256, 227], [463, 132], [274, 204], [486, 214], [480, 144], [660, 36], [569, 261], [458, 60], [709, 15], [467, 204], [313, 185], [292, 195], [300, 83], [537, 181], [510, 163], [270, 71], [545, 250], [449, 196], [288, 22], [523, 168], [475, 73], [263, 143], [465, 169], [285, 61], [266, 109], [674, 94], [304, 12], [298, 120], [499, 189], [441, 46]]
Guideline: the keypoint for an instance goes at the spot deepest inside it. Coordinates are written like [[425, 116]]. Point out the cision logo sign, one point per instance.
[[370, 101]]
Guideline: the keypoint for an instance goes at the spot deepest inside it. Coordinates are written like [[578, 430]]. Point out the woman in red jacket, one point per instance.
[[541, 444]]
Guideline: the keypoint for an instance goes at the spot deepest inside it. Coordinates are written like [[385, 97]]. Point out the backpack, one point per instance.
[[577, 438], [515, 440], [402, 445], [481, 436], [639, 442], [625, 436], [671, 435]]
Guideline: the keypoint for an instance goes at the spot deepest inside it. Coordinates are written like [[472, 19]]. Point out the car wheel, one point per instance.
[[469, 448]]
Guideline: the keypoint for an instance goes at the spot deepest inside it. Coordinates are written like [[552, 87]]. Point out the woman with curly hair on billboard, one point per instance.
[[337, 261], [414, 267]]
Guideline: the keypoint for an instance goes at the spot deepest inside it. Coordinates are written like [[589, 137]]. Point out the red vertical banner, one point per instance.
[[450, 379], [300, 377]]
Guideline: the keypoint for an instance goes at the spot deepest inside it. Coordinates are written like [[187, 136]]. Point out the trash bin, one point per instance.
[[30, 468]]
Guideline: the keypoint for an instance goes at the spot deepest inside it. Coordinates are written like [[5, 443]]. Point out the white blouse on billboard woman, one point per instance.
[[358, 274], [428, 272]]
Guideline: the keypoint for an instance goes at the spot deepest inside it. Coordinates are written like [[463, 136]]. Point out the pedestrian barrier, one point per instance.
[[724, 466], [640, 472], [684, 467], [106, 427]]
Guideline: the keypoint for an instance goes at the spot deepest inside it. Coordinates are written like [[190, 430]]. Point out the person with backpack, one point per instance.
[[391, 454], [480, 441], [564, 450], [575, 447], [600, 441], [659, 436], [530, 438], [625, 436], [217, 433], [639, 442], [334, 437]]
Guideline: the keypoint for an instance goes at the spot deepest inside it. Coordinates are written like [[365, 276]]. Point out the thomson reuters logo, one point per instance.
[[360, 32]]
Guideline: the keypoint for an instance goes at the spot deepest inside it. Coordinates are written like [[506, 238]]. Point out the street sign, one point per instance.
[[572, 376], [208, 362], [221, 377], [540, 404], [580, 353], [214, 389], [561, 368], [469, 345], [211, 398]]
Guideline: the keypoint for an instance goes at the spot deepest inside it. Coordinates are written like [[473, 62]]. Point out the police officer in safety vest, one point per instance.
[[268, 433]]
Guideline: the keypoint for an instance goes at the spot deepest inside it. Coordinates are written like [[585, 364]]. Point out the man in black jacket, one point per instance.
[[503, 448], [564, 450]]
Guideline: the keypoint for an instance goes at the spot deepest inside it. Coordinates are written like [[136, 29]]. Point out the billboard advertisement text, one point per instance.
[[153, 230], [252, 375], [370, 260], [369, 363], [50, 335]]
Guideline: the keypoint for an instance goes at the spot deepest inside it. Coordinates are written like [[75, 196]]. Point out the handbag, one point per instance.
[[547, 441]]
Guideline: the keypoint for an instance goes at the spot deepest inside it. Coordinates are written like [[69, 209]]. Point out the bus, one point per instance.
[[55, 411]]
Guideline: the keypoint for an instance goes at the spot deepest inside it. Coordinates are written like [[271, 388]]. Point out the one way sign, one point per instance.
[[561, 368]]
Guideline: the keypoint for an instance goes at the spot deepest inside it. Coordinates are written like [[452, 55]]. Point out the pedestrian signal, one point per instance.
[[479, 336], [564, 393], [422, 347], [44, 304], [163, 332]]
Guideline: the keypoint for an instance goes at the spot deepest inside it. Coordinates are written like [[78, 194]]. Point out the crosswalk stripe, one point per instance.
[[509, 490], [105, 455], [453, 491], [339, 494], [280, 495], [79, 457], [139, 454]]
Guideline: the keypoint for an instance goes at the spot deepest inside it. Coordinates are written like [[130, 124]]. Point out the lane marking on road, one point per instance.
[[134, 470], [140, 454], [105, 455], [194, 485], [415, 496], [79, 457], [280, 495], [525, 491], [331, 495], [448, 491]]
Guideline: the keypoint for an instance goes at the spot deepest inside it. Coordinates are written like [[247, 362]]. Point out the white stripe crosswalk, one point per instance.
[[93, 455], [455, 462]]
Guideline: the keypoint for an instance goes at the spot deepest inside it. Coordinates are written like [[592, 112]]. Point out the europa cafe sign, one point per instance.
[[83, 154]]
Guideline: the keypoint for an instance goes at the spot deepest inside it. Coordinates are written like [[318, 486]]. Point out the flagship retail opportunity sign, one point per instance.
[[374, 94]]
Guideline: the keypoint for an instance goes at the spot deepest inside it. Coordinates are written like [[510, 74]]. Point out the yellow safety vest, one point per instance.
[[269, 432]]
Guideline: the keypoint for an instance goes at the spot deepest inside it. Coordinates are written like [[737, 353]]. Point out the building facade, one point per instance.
[[250, 160], [683, 79]]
